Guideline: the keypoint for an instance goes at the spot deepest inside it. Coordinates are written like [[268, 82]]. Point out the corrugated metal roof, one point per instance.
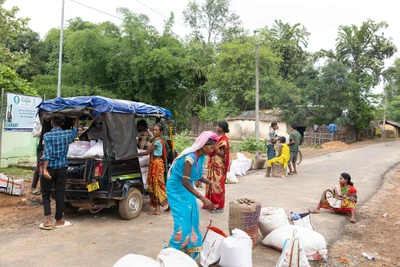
[[265, 115], [393, 123]]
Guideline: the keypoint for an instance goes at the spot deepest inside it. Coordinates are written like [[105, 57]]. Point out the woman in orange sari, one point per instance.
[[341, 198], [158, 161], [218, 166]]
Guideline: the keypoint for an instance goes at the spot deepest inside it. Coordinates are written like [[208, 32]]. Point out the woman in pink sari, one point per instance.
[[218, 166]]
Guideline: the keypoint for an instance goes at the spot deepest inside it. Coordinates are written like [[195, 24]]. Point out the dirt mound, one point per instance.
[[246, 154], [335, 145]]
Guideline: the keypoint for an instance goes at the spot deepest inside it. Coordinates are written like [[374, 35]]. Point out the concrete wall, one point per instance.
[[241, 129], [17, 147]]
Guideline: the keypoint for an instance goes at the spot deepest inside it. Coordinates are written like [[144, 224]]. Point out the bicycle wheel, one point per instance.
[[299, 157]]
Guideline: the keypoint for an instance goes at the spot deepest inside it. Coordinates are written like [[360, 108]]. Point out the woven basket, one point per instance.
[[244, 215]]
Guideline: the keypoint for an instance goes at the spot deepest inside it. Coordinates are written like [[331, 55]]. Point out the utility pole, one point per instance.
[[61, 48], [384, 113], [257, 126]]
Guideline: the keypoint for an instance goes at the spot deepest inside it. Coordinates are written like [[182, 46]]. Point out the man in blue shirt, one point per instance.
[[56, 143]]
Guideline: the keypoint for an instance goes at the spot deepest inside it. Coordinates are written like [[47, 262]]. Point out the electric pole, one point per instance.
[[61, 48], [257, 101]]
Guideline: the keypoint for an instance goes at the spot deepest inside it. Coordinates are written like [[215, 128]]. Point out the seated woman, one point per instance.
[[282, 158], [341, 197]]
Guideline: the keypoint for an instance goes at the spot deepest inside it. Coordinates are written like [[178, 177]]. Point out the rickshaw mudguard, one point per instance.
[[137, 183]]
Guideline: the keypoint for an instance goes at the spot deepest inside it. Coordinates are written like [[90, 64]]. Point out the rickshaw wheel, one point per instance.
[[131, 206]]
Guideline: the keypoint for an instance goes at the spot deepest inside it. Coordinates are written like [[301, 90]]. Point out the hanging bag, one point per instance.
[[293, 254]]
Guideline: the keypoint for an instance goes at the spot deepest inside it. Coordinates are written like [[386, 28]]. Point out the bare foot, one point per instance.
[[154, 212], [353, 220], [315, 211]]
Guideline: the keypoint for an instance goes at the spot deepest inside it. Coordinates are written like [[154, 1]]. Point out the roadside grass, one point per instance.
[[17, 173]]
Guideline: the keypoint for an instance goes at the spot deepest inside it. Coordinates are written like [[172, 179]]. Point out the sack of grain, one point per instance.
[[244, 214], [278, 170]]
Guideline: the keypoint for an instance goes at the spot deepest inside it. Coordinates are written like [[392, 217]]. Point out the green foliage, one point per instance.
[[214, 18], [182, 140], [252, 146], [11, 82], [10, 27]]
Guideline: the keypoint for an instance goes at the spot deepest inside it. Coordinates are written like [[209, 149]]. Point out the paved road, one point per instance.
[[101, 239]]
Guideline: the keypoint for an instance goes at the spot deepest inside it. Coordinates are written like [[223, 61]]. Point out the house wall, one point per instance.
[[241, 129], [389, 127], [17, 147]]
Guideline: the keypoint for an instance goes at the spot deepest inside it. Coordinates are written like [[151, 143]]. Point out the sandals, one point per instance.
[[66, 224], [45, 227]]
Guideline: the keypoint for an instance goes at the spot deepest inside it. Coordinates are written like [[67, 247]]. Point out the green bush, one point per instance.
[[252, 146], [182, 140]]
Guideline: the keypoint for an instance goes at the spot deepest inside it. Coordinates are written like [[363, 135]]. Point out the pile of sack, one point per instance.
[[168, 257], [241, 165], [86, 149], [296, 237], [144, 162]]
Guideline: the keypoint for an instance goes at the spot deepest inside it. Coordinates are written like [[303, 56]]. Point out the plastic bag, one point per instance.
[[231, 178], [170, 257], [134, 260], [270, 219], [293, 254], [304, 221], [78, 149], [314, 243], [95, 151], [237, 250], [212, 246]]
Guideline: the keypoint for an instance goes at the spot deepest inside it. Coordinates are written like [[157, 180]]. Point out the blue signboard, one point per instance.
[[21, 112]]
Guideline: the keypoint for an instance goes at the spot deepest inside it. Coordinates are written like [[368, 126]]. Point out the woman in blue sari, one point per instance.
[[181, 193]]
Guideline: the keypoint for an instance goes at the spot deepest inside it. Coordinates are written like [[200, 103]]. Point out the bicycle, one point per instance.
[[299, 157]]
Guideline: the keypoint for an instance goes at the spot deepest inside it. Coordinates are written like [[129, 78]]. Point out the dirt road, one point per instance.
[[101, 239]]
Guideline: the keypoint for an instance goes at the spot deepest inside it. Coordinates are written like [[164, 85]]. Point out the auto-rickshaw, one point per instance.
[[113, 178]]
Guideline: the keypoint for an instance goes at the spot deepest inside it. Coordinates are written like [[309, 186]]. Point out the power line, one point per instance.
[[95, 9], [157, 12]]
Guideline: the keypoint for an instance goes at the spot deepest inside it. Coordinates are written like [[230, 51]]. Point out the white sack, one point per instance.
[[237, 250], [95, 151], [235, 167], [270, 219], [144, 160], [231, 178], [313, 242], [293, 255], [78, 149], [170, 257], [304, 222], [134, 260], [11, 186], [212, 248], [246, 163]]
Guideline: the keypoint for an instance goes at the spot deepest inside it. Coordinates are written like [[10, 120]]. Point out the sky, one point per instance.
[[321, 17]]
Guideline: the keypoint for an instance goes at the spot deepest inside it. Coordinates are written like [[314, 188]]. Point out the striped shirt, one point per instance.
[[56, 144]]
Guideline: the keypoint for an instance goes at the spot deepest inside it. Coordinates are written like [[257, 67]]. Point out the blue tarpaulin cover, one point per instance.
[[102, 104]]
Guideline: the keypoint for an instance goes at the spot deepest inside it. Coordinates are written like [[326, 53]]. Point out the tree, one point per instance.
[[10, 27], [232, 78], [289, 43], [213, 17], [11, 82], [363, 51]]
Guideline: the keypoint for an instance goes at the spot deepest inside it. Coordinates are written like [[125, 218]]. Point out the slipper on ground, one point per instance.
[[45, 227], [66, 224]]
